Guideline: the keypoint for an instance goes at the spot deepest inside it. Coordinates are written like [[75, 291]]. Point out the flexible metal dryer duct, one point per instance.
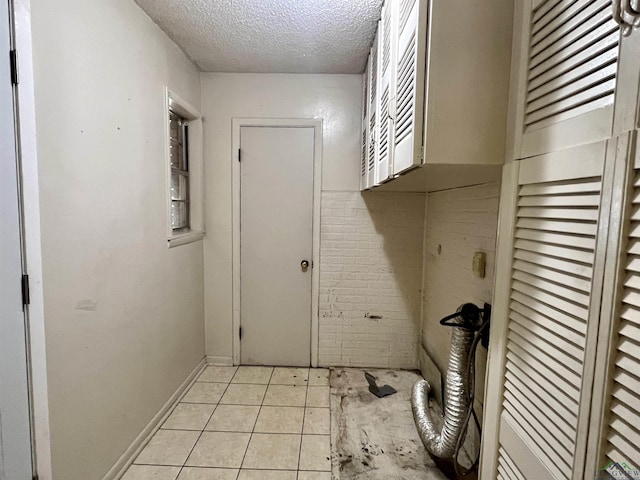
[[443, 443]]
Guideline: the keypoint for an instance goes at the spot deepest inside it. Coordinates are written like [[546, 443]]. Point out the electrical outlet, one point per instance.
[[479, 264]]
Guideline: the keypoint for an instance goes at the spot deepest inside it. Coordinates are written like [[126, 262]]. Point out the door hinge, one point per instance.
[[35, 477], [25, 290], [240, 333], [239, 155], [13, 60]]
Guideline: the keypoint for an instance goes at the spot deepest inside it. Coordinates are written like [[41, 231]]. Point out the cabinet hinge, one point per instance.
[[240, 333], [25, 290], [13, 60], [239, 155]]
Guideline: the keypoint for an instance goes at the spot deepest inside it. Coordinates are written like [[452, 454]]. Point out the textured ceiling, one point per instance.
[[270, 36]]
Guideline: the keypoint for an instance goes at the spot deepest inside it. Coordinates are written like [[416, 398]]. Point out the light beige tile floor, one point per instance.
[[244, 423]]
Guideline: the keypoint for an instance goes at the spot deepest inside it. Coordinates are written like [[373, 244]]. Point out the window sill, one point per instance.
[[184, 238]]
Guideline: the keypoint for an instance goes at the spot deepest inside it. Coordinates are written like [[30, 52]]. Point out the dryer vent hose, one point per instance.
[[468, 324]]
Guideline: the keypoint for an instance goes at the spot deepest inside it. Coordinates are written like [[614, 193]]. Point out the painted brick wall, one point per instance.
[[370, 265], [461, 221]]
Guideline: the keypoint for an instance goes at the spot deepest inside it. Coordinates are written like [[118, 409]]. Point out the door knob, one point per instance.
[[304, 264]]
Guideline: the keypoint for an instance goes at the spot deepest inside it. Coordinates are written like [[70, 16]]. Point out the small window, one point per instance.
[[184, 166], [179, 159]]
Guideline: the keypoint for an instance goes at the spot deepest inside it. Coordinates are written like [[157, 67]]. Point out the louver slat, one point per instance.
[[572, 61], [373, 112], [364, 147], [384, 125], [406, 92], [507, 467], [555, 241], [405, 10], [623, 437], [409, 85], [387, 93]]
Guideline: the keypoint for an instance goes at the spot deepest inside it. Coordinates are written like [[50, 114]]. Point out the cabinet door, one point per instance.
[[388, 41], [627, 104], [615, 427], [567, 78], [364, 141], [409, 70], [547, 303], [373, 113]]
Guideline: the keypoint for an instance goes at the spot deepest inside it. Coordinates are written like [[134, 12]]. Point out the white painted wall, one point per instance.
[[123, 313], [336, 99], [462, 221]]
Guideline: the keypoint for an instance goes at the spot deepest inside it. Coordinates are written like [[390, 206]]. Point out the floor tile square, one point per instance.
[[189, 416], [151, 472], [233, 418], [286, 395], [317, 421], [217, 374], [280, 420], [267, 475], [318, 397], [204, 392], [260, 375], [272, 452], [219, 449], [168, 447], [197, 473], [242, 394], [289, 376], [314, 475], [315, 453], [319, 376]]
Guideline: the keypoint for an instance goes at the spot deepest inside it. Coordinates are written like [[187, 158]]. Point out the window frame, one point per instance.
[[183, 126], [193, 155]]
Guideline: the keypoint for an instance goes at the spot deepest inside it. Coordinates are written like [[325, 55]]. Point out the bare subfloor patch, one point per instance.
[[372, 438]]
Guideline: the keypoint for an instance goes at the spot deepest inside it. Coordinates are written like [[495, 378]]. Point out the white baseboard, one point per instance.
[[127, 458], [222, 361]]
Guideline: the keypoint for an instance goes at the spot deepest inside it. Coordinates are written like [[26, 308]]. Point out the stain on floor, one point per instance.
[[376, 438]]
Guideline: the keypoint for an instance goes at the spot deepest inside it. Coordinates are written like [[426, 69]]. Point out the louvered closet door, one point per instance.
[[388, 40], [546, 345], [373, 112], [619, 409], [409, 85], [568, 78], [364, 141]]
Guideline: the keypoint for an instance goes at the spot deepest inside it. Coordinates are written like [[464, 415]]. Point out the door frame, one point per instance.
[[237, 124], [28, 161]]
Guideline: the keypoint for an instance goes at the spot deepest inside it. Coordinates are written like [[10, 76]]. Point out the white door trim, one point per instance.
[[237, 124]]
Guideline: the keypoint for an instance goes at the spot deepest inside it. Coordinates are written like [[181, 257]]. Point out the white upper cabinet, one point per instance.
[[442, 73], [370, 124], [408, 99], [373, 125], [387, 53], [364, 141], [467, 81], [567, 54]]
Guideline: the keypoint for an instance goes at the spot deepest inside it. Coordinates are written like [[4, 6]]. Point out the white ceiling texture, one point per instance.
[[270, 36]]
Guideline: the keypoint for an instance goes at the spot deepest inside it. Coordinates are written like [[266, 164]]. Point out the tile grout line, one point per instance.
[[273, 369], [306, 396], [205, 425], [330, 427]]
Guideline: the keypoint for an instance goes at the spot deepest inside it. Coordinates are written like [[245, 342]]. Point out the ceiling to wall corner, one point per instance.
[[270, 36]]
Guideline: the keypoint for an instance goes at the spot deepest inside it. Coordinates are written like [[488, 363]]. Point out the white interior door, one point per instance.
[[15, 437], [276, 236]]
